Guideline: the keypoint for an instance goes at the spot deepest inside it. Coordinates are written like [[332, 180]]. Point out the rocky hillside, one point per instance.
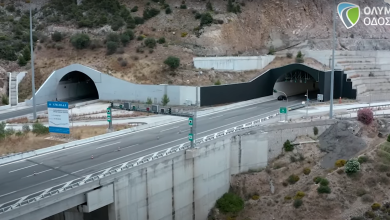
[[147, 32], [313, 181]]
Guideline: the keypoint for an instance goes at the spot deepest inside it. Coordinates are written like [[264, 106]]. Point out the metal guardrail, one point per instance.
[[372, 107], [37, 196]]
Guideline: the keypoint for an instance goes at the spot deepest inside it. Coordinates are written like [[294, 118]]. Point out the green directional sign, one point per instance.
[[108, 114], [190, 137], [120, 106], [283, 110], [190, 120]]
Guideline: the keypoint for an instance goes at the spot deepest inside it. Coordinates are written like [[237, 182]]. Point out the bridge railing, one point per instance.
[[42, 194]]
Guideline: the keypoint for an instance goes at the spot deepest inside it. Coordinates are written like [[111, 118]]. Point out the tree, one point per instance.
[[4, 100], [149, 101], [161, 40], [56, 36], [165, 100], [209, 6], [206, 19], [26, 53], [352, 166], [22, 61], [299, 58], [111, 47], [172, 62], [168, 11], [230, 6], [150, 42], [125, 39], [80, 41]]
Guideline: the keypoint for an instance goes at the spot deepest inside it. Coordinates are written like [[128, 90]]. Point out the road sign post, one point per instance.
[[109, 119], [191, 136]]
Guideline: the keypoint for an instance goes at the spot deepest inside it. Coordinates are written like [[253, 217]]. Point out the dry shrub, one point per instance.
[[306, 171], [367, 198], [365, 116], [340, 163]]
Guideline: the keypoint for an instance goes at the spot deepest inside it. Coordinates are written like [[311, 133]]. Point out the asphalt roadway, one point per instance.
[[18, 180]]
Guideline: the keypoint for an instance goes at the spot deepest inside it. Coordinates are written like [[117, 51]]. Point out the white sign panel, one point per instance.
[[320, 97], [58, 117]]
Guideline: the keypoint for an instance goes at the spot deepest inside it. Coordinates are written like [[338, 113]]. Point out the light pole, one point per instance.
[[276, 91], [333, 49], [32, 68]]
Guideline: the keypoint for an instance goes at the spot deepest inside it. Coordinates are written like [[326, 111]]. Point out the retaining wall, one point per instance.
[[233, 63]]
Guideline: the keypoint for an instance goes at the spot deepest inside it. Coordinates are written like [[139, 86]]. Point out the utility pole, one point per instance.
[[32, 68], [333, 49]]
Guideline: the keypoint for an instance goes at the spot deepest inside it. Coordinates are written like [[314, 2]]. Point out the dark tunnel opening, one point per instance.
[[76, 86]]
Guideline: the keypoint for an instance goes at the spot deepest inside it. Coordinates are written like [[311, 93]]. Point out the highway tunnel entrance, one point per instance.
[[76, 86], [297, 83]]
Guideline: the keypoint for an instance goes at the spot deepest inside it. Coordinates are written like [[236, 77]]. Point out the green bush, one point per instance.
[[288, 146], [352, 166], [217, 83], [150, 42], [168, 11], [287, 198], [26, 53], [114, 37], [370, 214], [340, 163], [230, 203], [134, 9], [298, 203], [198, 15], [19, 133], [111, 47], [292, 179], [324, 182], [22, 61], [161, 40], [306, 171], [233, 8], [26, 128], [183, 6], [56, 36], [129, 33], [39, 129], [125, 39], [4, 100], [375, 206], [172, 62], [271, 50], [317, 179], [299, 58], [323, 189], [150, 13], [363, 159], [116, 23], [80, 41], [138, 20], [206, 19], [315, 130]]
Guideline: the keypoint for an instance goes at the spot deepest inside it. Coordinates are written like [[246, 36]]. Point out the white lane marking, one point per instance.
[[7, 194], [178, 121], [37, 173], [216, 116], [168, 129], [108, 145], [34, 185], [130, 146], [92, 142], [251, 108], [22, 168], [118, 158], [20, 200]]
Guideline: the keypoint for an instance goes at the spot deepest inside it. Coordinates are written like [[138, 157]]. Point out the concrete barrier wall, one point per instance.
[[233, 63], [20, 76]]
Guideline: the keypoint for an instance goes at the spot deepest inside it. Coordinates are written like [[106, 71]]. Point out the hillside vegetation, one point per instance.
[[133, 39]]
